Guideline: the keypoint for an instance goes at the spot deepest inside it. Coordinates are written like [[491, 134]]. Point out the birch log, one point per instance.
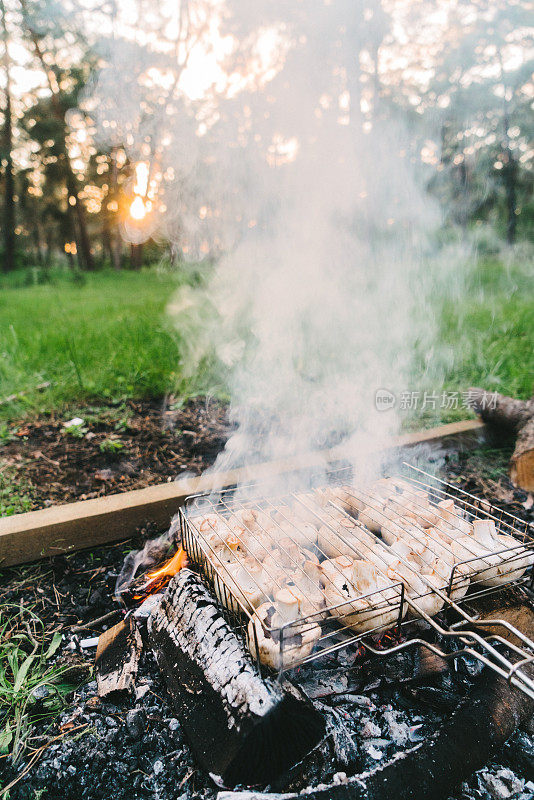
[[242, 729]]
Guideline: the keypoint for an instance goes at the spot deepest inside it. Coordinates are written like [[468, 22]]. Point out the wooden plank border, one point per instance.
[[88, 523]]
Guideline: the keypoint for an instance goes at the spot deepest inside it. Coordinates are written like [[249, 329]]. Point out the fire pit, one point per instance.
[[407, 710], [249, 655]]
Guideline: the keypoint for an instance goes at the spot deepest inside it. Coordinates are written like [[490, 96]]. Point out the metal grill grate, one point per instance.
[[254, 551]]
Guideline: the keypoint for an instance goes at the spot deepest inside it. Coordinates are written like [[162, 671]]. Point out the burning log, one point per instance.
[[149, 583], [241, 728], [517, 417]]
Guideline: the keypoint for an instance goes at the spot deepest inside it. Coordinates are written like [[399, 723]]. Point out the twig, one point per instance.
[[189, 775], [90, 625], [49, 460], [32, 638]]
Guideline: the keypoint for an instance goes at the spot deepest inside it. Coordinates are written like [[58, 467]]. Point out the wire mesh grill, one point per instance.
[[306, 573]]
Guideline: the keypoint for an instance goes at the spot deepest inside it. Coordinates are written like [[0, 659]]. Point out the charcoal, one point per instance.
[[502, 784], [397, 729], [359, 700], [373, 751], [136, 722], [518, 754], [342, 738], [369, 729]]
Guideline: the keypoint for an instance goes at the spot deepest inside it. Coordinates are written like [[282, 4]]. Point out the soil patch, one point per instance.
[[113, 449]]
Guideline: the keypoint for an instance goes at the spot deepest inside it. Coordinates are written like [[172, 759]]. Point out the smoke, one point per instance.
[[306, 187]]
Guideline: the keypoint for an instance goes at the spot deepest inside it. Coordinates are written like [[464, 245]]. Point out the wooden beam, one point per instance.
[[467, 431], [88, 523]]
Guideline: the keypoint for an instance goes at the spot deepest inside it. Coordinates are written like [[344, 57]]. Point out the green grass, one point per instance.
[[491, 333], [485, 338], [32, 687], [107, 337]]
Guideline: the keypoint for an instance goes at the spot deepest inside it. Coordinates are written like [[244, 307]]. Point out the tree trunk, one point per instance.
[[9, 178], [115, 240], [116, 248], [76, 212], [37, 243], [48, 247], [464, 191], [510, 179], [509, 170], [136, 256], [516, 417]]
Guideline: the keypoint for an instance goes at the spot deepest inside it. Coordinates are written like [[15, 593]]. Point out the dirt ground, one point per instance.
[[116, 448]]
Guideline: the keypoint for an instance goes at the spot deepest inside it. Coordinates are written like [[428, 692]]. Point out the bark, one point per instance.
[[515, 417], [9, 177], [242, 729]]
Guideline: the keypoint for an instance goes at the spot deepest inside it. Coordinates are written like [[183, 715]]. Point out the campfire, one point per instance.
[[153, 582], [278, 589]]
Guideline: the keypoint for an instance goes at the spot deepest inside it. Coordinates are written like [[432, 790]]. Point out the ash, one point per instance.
[[133, 747]]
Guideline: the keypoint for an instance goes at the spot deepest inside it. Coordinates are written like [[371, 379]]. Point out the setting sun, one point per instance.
[[138, 209]]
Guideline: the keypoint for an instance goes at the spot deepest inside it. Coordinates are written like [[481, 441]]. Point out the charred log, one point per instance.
[[485, 720], [517, 418], [117, 658], [436, 767], [483, 723], [241, 728]]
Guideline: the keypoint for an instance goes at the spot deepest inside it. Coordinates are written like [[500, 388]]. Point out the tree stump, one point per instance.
[[515, 417]]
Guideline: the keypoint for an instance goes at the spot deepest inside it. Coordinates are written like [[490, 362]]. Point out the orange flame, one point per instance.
[[170, 567], [156, 581]]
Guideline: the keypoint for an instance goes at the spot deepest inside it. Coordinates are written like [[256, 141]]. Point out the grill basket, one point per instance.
[[362, 619]]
